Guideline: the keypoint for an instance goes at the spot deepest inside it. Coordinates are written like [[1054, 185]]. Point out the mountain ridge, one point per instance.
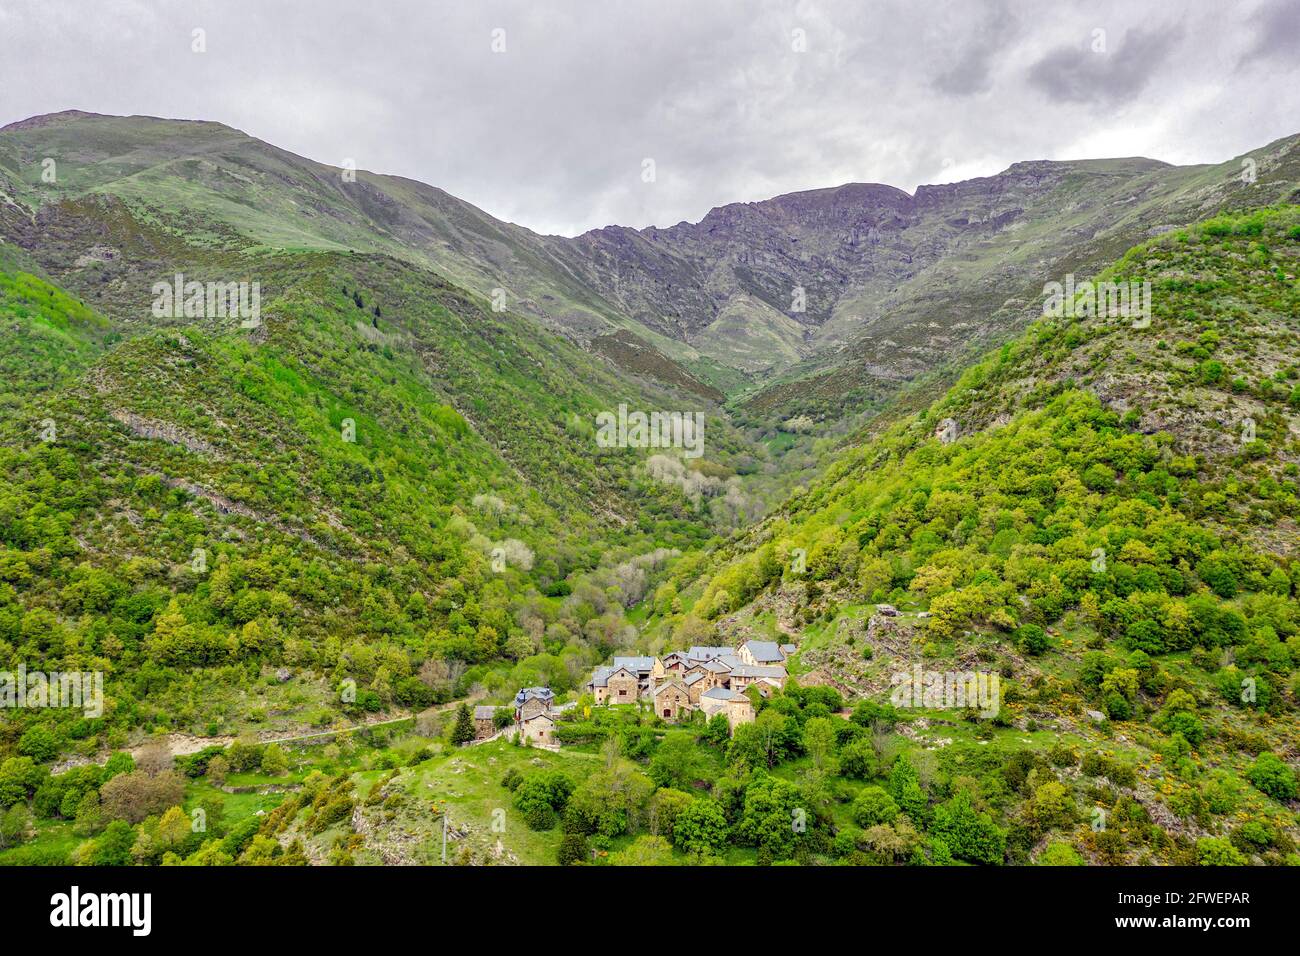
[[759, 291]]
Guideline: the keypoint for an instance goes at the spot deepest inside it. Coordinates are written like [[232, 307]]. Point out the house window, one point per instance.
[[668, 711], [622, 693]]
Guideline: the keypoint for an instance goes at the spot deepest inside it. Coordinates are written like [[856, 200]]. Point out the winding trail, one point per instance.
[[183, 744]]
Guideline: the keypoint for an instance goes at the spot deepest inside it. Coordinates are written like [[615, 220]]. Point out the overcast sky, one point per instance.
[[732, 100]]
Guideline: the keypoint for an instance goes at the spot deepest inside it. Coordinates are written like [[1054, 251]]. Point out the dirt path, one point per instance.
[[182, 744]]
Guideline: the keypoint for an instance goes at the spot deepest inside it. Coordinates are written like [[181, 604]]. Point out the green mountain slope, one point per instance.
[[888, 286], [385, 498], [383, 476], [1100, 536], [1004, 238], [209, 185]]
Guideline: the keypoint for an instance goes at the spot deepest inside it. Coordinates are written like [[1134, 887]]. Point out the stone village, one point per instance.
[[713, 680]]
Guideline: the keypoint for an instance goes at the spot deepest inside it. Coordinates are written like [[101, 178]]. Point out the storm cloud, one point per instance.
[[546, 113]]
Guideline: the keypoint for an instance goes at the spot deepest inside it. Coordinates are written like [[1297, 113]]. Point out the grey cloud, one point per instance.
[[1277, 34], [970, 72], [552, 133], [1083, 75]]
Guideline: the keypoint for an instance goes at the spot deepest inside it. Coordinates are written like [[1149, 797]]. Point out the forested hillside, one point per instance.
[[385, 479], [383, 500], [1112, 531]]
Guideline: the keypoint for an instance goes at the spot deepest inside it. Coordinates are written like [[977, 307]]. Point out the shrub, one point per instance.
[[1063, 755], [874, 806], [573, 849], [970, 835], [39, 743], [1060, 854], [701, 828], [1032, 639], [1273, 777], [1216, 851], [136, 795], [539, 798], [274, 761], [858, 759]]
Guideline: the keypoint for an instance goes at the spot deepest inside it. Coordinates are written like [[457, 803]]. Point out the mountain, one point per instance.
[[380, 494], [227, 191], [983, 251], [849, 291], [381, 463], [1103, 512]]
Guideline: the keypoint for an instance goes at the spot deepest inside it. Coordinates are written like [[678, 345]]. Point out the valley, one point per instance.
[[304, 548]]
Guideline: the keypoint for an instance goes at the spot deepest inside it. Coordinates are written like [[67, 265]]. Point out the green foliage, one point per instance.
[[700, 828], [39, 743], [969, 834], [1217, 851], [540, 797], [462, 732], [1032, 639], [610, 802], [1060, 854], [677, 762], [774, 818], [858, 759], [872, 806], [1271, 776]]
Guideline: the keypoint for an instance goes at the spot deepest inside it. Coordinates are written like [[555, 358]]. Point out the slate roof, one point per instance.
[[749, 670], [483, 712], [635, 664], [701, 653], [600, 676], [693, 678], [765, 652], [721, 693], [528, 693]]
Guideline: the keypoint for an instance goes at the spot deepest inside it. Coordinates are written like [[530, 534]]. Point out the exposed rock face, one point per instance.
[[900, 280], [165, 431]]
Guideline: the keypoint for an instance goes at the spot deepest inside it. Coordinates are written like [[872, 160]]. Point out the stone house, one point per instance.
[[718, 670], [599, 684], [760, 653], [719, 700], [740, 710], [622, 687], [532, 701], [699, 655], [745, 674], [697, 668], [672, 699], [534, 716], [696, 684], [538, 728], [484, 722], [714, 700], [676, 663], [644, 669]]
